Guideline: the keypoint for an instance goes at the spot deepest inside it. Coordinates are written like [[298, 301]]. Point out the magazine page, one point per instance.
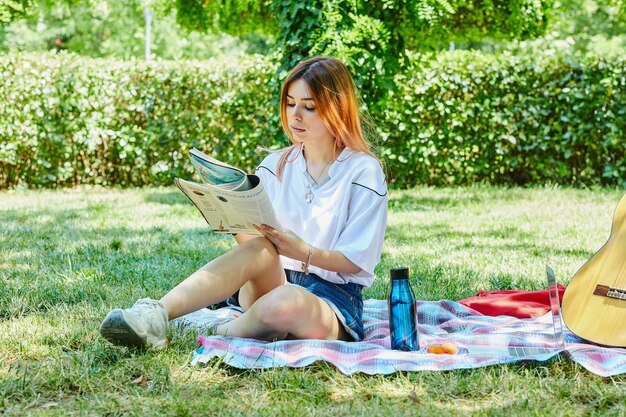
[[218, 173], [229, 211]]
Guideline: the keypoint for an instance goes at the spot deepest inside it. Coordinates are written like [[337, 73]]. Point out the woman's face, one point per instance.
[[303, 117]]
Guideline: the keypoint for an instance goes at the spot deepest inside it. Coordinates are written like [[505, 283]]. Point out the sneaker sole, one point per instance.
[[115, 329]]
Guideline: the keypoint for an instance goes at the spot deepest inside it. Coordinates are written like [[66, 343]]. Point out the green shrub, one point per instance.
[[68, 120], [454, 118], [532, 117]]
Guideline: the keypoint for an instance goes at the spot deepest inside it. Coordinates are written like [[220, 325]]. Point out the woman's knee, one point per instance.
[[279, 309], [259, 246]]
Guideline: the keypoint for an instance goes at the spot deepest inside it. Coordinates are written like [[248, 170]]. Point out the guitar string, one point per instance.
[[623, 266], [616, 220], [618, 290], [615, 228]]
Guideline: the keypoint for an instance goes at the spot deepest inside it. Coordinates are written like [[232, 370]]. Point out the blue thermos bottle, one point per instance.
[[402, 317]]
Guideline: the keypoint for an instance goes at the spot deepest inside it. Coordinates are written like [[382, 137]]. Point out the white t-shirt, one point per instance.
[[348, 212]]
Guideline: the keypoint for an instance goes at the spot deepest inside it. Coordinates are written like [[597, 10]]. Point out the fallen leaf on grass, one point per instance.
[[413, 397], [141, 381]]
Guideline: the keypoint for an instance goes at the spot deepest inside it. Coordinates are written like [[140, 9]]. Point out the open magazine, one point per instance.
[[230, 200]]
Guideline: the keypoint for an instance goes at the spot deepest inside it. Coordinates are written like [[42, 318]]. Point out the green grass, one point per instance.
[[68, 256]]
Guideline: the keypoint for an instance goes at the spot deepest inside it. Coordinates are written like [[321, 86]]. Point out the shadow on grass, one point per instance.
[[496, 256], [66, 255], [424, 199], [433, 280], [507, 238], [405, 202], [166, 197], [61, 254]]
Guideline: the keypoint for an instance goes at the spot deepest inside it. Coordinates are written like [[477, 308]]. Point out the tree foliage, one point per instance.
[[13, 9], [105, 28], [363, 33], [595, 25], [230, 16], [373, 36]]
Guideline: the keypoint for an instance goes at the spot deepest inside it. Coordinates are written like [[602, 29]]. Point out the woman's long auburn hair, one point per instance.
[[331, 86]]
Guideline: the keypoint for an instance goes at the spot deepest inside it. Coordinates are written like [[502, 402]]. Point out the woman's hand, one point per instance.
[[287, 243]]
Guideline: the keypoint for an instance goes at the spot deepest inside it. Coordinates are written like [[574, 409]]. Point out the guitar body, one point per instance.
[[594, 303]]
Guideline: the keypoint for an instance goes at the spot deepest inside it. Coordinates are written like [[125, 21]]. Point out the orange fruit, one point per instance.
[[450, 348], [436, 349]]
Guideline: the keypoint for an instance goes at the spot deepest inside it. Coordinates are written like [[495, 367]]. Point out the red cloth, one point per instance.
[[517, 303]]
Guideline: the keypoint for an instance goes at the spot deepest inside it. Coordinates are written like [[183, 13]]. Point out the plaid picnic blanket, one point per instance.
[[482, 341]]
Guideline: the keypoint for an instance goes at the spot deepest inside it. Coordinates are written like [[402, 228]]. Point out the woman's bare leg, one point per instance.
[[287, 311], [253, 267]]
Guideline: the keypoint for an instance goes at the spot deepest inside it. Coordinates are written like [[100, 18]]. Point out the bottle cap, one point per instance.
[[399, 273]]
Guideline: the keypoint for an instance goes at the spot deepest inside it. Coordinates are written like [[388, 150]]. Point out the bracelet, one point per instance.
[[304, 267]]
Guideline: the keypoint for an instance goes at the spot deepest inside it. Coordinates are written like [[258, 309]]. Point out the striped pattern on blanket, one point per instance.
[[482, 341]]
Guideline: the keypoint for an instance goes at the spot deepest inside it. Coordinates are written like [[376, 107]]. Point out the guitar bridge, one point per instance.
[[606, 291]]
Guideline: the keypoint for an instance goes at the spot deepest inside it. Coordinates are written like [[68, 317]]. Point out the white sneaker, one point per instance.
[[205, 321], [142, 325]]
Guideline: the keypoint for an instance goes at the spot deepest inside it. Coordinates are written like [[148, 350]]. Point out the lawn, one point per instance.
[[68, 256]]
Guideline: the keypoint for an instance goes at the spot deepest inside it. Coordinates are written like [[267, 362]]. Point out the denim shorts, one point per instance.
[[346, 300]]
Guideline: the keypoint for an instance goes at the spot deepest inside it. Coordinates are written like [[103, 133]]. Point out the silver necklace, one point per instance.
[[309, 196]]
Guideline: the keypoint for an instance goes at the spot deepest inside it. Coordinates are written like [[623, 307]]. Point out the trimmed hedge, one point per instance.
[[455, 118], [71, 120], [535, 117]]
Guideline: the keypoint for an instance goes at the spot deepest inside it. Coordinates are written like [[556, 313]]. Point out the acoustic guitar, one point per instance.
[[594, 303]]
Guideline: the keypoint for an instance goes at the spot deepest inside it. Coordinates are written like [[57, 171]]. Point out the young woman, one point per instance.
[[329, 194]]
